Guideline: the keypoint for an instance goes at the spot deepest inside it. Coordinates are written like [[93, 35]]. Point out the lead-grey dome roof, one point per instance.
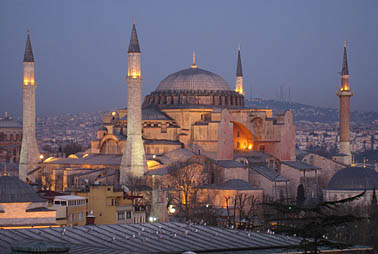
[[14, 190], [354, 178], [193, 79]]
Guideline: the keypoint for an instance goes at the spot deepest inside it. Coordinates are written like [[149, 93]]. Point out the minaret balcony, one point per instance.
[[134, 78], [344, 93]]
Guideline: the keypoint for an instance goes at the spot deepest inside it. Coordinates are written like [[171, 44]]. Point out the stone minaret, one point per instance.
[[239, 76], [344, 94], [29, 156], [133, 162]]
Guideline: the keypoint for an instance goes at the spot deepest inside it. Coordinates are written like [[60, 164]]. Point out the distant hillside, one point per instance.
[[311, 113]]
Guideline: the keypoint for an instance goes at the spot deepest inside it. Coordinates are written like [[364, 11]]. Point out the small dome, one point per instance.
[[13, 190], [193, 79], [354, 178]]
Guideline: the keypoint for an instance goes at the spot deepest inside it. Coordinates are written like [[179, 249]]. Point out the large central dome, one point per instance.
[[194, 79]]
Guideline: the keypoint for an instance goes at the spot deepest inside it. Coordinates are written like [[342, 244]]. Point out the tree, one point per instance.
[[243, 207], [186, 176], [312, 223]]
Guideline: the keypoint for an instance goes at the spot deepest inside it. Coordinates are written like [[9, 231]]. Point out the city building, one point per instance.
[[70, 210], [10, 145], [111, 206]]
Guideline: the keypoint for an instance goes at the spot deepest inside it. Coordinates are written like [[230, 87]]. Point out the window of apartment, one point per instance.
[[80, 216], [238, 144], [238, 134], [128, 215], [121, 215], [71, 217], [262, 149], [114, 201]]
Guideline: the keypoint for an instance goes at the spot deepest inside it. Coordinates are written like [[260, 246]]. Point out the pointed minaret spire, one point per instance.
[[194, 65], [345, 70], [29, 155], [28, 56], [344, 94], [239, 71], [134, 43], [239, 75], [133, 163]]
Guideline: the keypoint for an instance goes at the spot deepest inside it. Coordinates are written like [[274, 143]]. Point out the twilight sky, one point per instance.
[[80, 48]]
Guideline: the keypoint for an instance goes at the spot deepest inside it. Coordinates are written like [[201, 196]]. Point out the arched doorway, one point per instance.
[[243, 139]]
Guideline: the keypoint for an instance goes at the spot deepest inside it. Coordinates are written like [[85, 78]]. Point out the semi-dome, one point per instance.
[[354, 178], [194, 79]]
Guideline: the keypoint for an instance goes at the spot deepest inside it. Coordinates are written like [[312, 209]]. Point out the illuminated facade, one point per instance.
[[29, 156], [192, 112], [197, 110]]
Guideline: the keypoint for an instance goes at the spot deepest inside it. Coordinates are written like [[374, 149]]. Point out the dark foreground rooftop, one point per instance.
[[150, 238]]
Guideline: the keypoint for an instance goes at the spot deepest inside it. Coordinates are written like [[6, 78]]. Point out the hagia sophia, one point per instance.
[[192, 112], [194, 115]]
